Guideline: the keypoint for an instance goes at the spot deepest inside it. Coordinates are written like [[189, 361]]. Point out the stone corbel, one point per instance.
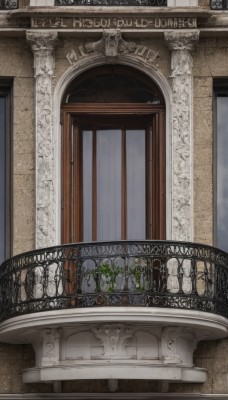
[[48, 347], [43, 45], [181, 44]]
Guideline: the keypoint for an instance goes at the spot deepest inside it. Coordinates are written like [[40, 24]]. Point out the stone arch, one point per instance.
[[69, 75]]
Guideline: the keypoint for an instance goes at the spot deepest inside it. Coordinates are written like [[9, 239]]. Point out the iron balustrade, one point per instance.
[[8, 4], [144, 273], [219, 4], [152, 3]]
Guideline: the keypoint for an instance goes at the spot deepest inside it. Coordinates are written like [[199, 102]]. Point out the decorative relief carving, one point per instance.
[[50, 351], [113, 23], [169, 348], [42, 45], [181, 40], [177, 346], [114, 339], [111, 45], [181, 43]]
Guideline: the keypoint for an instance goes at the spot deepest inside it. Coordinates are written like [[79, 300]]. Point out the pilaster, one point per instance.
[[43, 45], [181, 44]]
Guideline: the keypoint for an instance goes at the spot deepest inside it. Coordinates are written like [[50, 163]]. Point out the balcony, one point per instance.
[[120, 310]]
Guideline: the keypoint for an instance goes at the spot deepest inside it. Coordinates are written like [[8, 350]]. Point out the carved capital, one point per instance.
[[43, 45], [40, 41], [181, 40]]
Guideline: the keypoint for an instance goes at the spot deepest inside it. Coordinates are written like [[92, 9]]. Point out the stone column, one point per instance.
[[43, 45], [181, 44]]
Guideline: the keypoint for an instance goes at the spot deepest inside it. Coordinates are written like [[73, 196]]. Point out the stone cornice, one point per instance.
[[119, 10], [113, 396]]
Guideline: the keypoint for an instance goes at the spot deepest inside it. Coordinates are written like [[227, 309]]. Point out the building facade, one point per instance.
[[113, 136]]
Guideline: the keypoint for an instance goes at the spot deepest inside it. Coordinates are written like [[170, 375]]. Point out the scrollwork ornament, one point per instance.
[[181, 44]]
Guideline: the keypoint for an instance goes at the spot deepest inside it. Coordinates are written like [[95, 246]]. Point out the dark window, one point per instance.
[[5, 128], [221, 170]]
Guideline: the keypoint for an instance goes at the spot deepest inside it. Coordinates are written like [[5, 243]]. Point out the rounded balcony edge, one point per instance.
[[21, 329]]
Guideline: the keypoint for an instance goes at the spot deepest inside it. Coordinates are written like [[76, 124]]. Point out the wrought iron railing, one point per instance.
[[219, 4], [8, 4], [152, 3], [144, 273]]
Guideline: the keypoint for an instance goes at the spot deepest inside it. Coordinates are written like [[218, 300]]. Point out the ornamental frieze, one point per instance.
[[112, 45], [113, 23]]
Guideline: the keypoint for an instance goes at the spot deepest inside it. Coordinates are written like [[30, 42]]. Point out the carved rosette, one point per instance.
[[181, 44], [43, 45]]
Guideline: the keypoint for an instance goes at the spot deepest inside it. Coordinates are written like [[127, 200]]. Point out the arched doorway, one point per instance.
[[113, 157]]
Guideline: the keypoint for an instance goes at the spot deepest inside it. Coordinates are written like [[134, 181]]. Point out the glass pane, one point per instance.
[[2, 178], [136, 184], [87, 185], [109, 184], [222, 173]]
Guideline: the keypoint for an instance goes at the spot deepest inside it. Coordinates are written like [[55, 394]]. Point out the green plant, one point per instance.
[[110, 273]]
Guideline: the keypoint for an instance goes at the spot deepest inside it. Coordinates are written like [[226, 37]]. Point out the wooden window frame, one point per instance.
[[155, 153]]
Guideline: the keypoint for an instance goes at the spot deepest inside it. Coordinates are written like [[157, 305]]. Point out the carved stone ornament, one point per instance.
[[50, 346], [42, 45], [111, 45], [181, 44], [181, 40], [177, 346], [169, 348], [114, 338]]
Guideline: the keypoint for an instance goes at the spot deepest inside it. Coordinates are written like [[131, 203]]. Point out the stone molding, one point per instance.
[[43, 45], [208, 326], [181, 44], [112, 396], [170, 3]]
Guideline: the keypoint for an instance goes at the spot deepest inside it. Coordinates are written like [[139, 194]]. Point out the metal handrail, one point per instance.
[[171, 274]]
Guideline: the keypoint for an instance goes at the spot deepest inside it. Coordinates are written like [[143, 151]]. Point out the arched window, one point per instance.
[[113, 157]]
